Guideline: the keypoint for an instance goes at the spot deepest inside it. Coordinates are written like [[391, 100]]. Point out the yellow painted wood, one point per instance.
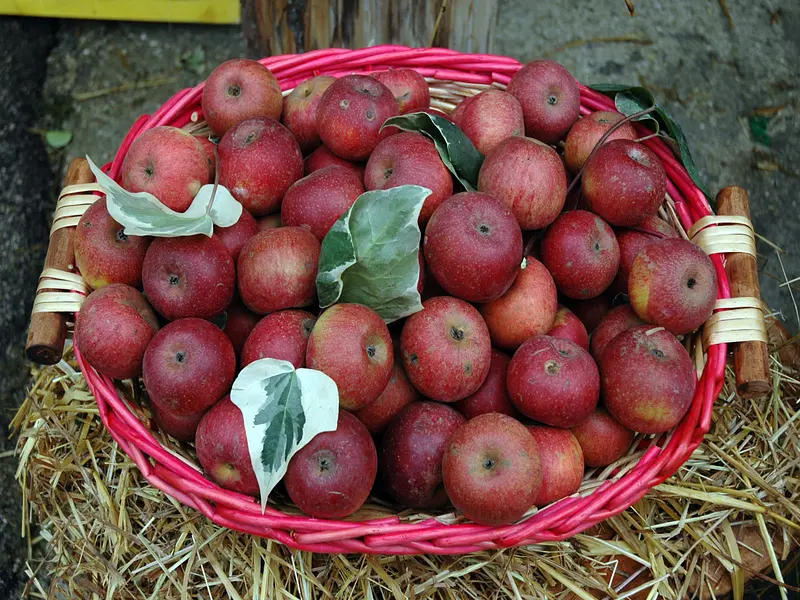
[[166, 11]]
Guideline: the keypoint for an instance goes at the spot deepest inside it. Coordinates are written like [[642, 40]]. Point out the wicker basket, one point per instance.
[[172, 469]]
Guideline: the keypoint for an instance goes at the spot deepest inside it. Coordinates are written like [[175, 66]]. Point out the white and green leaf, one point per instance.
[[283, 409], [370, 255], [141, 213]]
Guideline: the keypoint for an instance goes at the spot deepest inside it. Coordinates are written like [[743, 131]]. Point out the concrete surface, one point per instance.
[[728, 86]]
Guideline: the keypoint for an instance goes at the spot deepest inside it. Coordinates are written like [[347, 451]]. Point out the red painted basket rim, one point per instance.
[[172, 474]]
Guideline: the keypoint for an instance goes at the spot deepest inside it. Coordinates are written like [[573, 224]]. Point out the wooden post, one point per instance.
[[288, 26]]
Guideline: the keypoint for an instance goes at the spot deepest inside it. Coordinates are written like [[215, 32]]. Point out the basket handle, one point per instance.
[[48, 330], [750, 358]]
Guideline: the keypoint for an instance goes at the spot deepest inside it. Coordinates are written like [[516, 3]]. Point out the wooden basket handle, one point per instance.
[[48, 330]]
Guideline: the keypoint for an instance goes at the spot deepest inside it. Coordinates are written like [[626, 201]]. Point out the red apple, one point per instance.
[[104, 253], [613, 323], [446, 349], [397, 394], [189, 276], [491, 117], [529, 177], [590, 311], [210, 149], [550, 99], [527, 309], [258, 161], [492, 470], [318, 200], [221, 445], [332, 476], [562, 463], [269, 222], [188, 366], [235, 236], [239, 322], [603, 439], [581, 252], [553, 381], [351, 344], [278, 269], [282, 335], [411, 453], [351, 113], [624, 182], [586, 132], [631, 241], [408, 87], [648, 379], [113, 329], [322, 157], [300, 111], [569, 327], [473, 247], [182, 427], [237, 90], [461, 109], [492, 396], [673, 284], [409, 159], [168, 163]]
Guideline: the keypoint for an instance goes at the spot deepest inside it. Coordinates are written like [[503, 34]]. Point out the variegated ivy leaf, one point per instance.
[[283, 409], [141, 213]]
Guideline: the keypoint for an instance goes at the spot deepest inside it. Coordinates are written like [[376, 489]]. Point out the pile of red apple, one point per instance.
[[494, 397]]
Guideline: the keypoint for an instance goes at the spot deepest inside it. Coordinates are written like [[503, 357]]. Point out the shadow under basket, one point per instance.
[[375, 528]]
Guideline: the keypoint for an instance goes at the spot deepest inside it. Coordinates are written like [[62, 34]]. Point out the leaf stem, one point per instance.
[[216, 180]]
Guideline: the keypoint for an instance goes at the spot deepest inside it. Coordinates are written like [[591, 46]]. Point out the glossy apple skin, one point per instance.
[[182, 427], [351, 113], [397, 394], [590, 311], [491, 117], [235, 236], [602, 438], [332, 476], [553, 381], [492, 396], [568, 326], [221, 445], [104, 254], [277, 269], [209, 148], [527, 309], [282, 335], [529, 177], [411, 453], [673, 284], [614, 322], [581, 252], [258, 160], [114, 328], [549, 97], [300, 111], [318, 200], [168, 163], [648, 379], [408, 87], [492, 469], [351, 344], [624, 182], [409, 159], [562, 463], [322, 157], [189, 276], [631, 241], [239, 322], [473, 247], [269, 222], [587, 131], [446, 349], [237, 90], [188, 366]]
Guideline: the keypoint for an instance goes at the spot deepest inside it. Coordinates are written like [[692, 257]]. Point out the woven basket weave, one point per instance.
[[451, 76]]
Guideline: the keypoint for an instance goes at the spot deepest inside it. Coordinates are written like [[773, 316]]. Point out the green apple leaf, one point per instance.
[[370, 255], [142, 213], [631, 99], [283, 409], [457, 151]]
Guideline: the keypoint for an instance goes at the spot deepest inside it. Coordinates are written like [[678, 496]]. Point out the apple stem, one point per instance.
[[602, 140]]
